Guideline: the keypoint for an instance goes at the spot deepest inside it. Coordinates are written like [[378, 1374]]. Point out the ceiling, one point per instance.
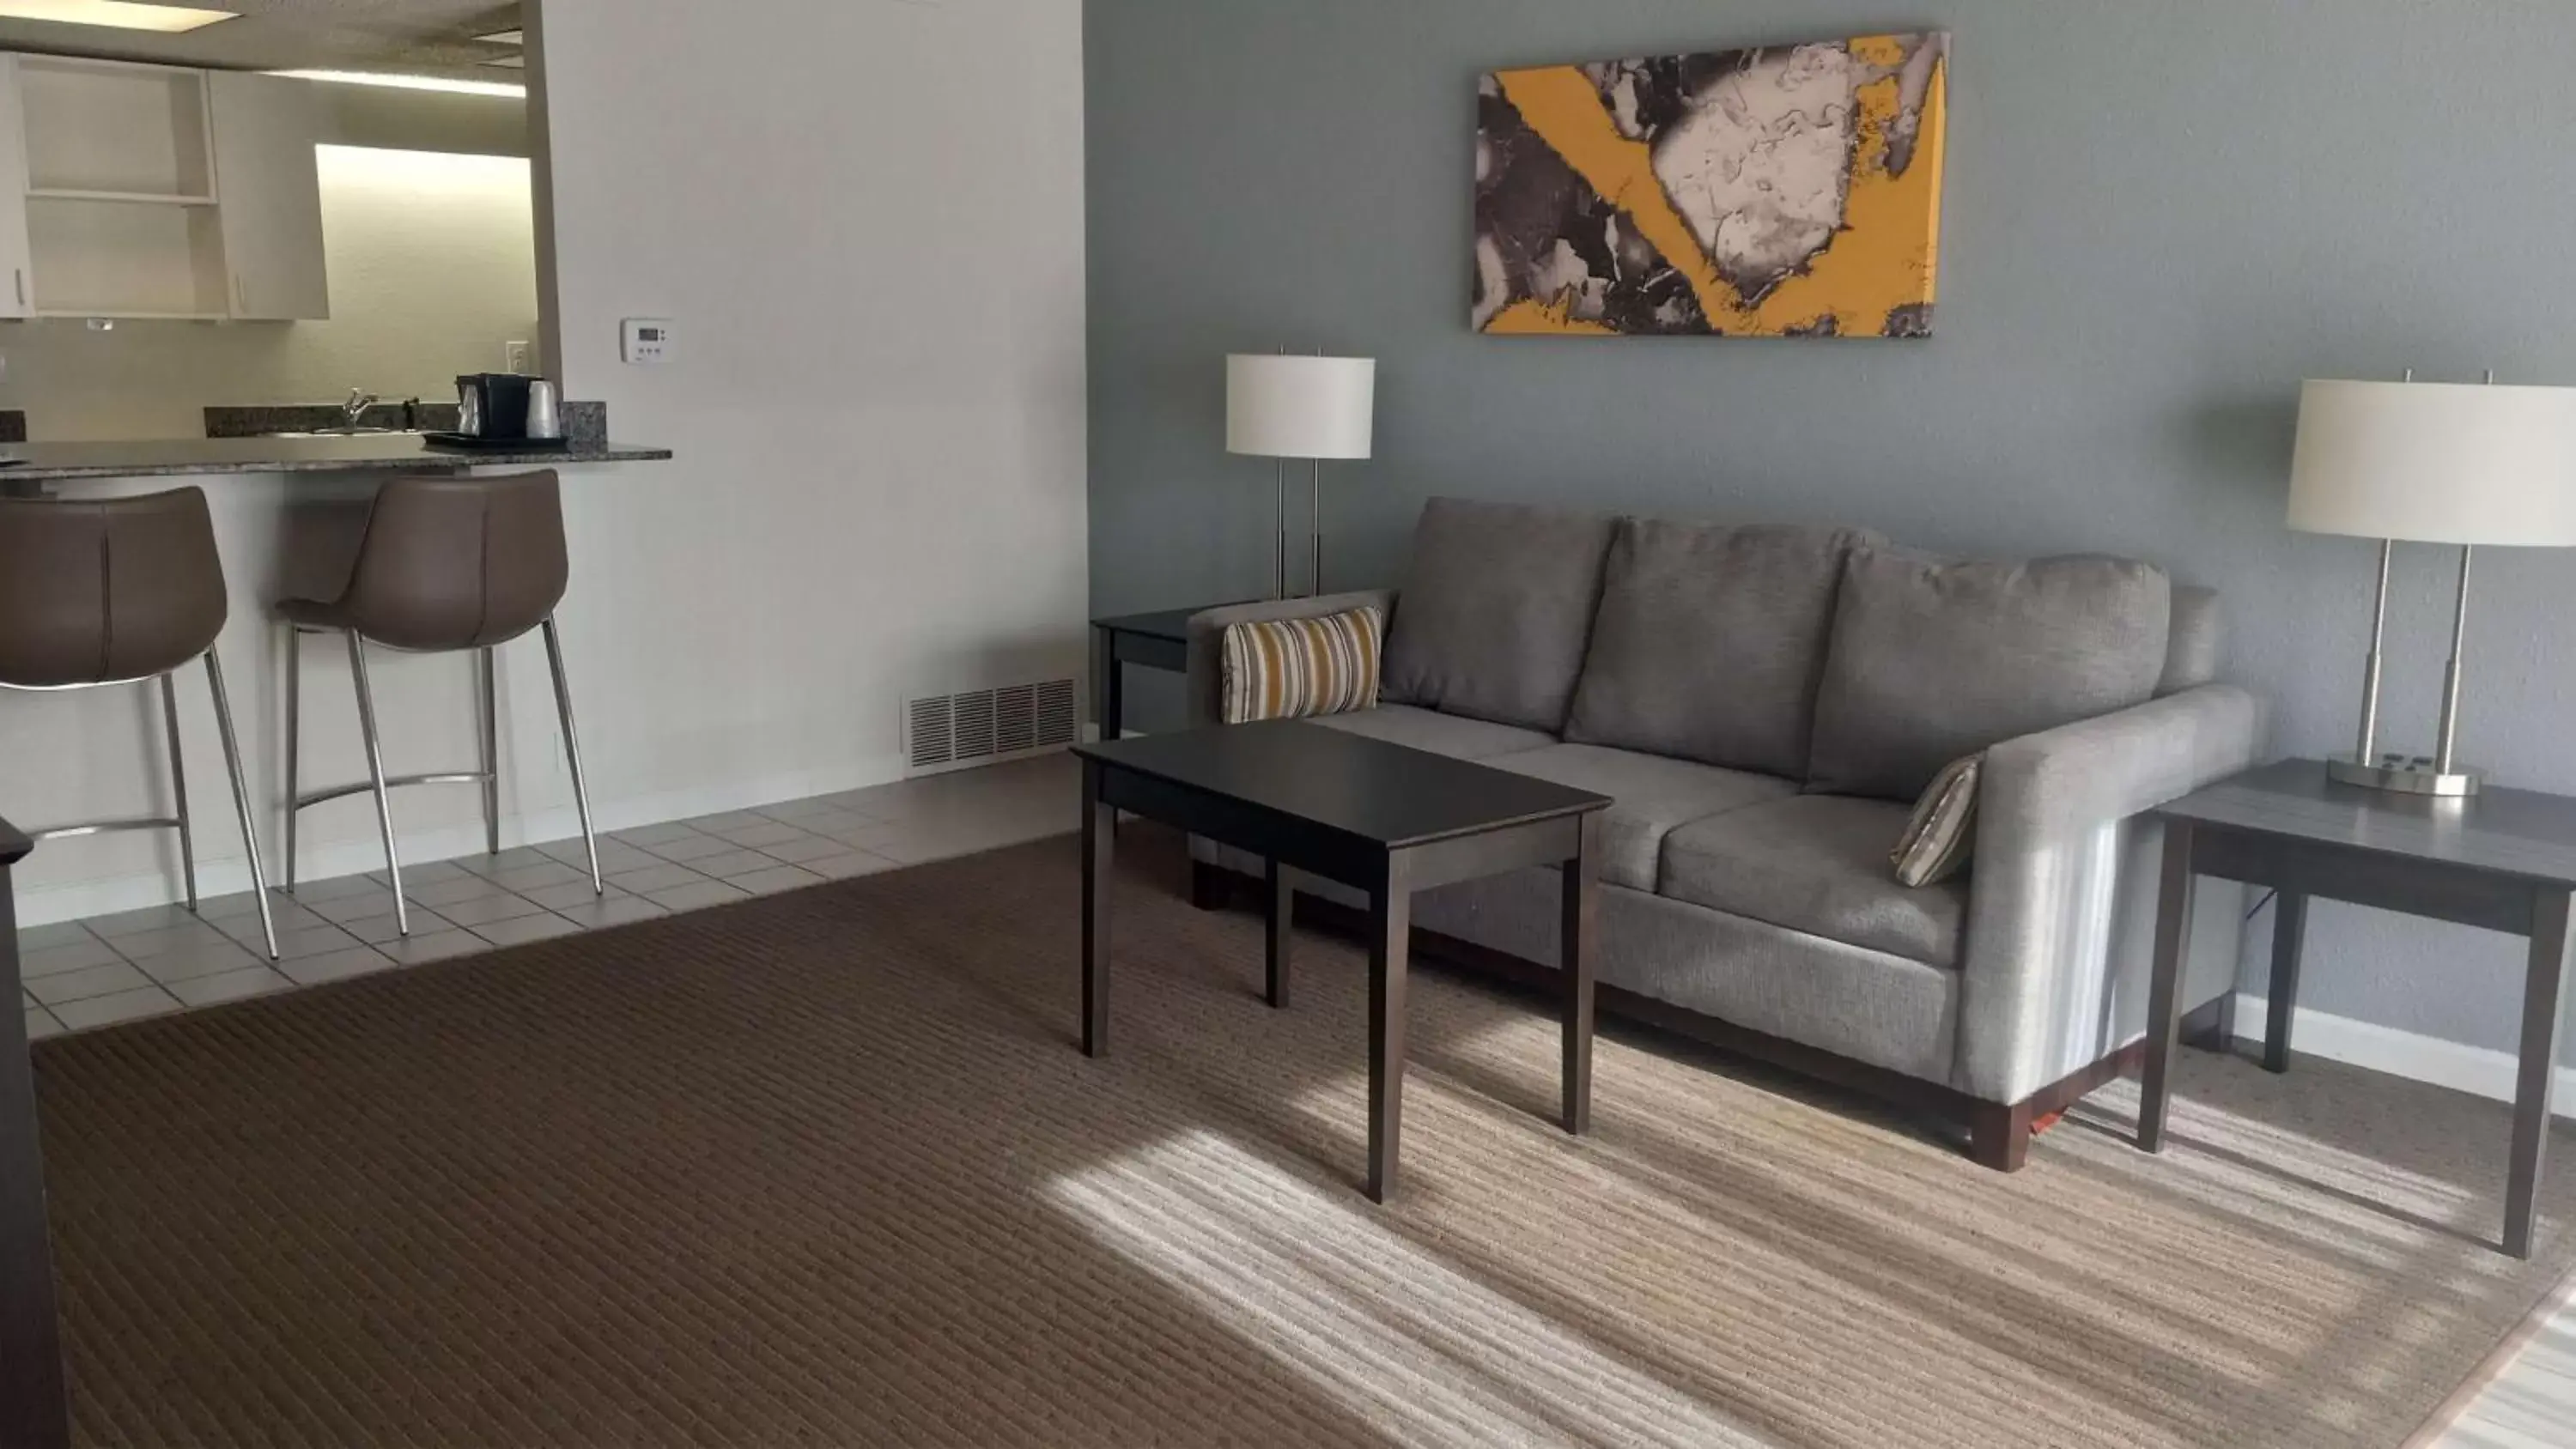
[[412, 37]]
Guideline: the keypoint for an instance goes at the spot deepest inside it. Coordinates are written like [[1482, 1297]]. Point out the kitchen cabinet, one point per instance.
[[152, 191], [267, 198], [15, 298]]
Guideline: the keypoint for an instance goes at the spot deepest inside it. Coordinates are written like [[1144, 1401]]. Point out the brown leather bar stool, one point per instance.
[[447, 564], [123, 591]]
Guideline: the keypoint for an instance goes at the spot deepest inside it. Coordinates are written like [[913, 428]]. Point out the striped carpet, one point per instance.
[[825, 1169]]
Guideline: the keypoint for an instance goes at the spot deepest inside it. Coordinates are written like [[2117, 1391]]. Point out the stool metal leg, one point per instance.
[[294, 740], [179, 787], [572, 751], [241, 797], [491, 755], [376, 777]]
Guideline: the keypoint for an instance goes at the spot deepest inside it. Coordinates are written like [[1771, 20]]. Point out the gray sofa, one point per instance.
[[1764, 704]]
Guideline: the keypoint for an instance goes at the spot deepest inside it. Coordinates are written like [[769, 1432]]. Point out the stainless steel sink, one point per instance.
[[362, 430]]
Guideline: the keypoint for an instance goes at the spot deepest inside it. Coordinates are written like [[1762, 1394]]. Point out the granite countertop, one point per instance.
[[394, 452]]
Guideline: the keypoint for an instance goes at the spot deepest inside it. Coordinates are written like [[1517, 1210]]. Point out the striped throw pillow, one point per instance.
[[1940, 837], [1292, 668]]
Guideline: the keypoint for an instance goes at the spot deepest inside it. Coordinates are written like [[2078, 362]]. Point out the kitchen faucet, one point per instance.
[[357, 405]]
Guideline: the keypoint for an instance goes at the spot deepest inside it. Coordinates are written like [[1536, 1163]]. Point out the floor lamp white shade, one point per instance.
[[1277, 406], [2431, 463], [1282, 406]]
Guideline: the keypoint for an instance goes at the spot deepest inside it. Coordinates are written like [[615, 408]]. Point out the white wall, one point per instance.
[[433, 267], [867, 221]]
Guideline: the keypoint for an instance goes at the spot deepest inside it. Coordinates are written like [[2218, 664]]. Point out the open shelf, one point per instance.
[[111, 258], [105, 128], [143, 198], [111, 314]]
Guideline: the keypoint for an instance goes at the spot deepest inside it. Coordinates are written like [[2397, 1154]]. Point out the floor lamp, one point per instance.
[[2431, 463], [1283, 407]]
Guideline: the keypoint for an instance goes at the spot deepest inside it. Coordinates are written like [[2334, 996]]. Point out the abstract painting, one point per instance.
[[1790, 191]]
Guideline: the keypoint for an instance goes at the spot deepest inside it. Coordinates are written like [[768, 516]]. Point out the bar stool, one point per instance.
[[446, 565], [124, 591]]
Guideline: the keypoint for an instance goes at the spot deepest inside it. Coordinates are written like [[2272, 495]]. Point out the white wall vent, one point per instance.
[[979, 726]]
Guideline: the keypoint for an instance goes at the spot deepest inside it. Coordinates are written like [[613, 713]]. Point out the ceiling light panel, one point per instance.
[[113, 14], [404, 82]]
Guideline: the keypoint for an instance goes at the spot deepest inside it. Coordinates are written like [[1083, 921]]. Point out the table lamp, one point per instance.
[[2431, 463], [1278, 406]]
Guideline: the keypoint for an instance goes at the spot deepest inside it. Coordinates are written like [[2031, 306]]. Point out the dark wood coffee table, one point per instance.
[[1373, 816]]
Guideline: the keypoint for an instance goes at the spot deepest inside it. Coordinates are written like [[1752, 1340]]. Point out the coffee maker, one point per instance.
[[492, 405]]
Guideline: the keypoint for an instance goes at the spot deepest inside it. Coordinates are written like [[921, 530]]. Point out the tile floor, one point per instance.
[[84, 974]]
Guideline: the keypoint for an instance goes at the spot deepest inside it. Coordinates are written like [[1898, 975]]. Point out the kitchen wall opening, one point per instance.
[[273, 212]]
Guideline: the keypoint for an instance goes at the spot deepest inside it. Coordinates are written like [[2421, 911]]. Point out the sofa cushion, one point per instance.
[[1652, 796], [1818, 864], [1709, 641], [1930, 661], [1496, 610], [1441, 734]]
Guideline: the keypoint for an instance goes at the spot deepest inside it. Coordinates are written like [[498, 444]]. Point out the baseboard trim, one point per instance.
[[76, 900], [2479, 1071]]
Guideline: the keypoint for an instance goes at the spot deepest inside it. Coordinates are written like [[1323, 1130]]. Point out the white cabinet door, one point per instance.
[[268, 197], [17, 285]]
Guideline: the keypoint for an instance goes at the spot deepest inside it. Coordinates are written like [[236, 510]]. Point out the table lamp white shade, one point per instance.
[[2437, 463], [1279, 406]]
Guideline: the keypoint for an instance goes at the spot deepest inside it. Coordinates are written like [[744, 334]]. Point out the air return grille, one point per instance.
[[979, 725]]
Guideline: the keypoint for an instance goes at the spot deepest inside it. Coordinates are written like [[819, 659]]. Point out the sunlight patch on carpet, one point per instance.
[[1422, 1352]]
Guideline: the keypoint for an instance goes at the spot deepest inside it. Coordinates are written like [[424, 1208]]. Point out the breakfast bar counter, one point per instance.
[[365, 452]]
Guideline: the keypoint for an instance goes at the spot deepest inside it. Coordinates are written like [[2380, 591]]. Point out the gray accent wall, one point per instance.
[[2159, 218]]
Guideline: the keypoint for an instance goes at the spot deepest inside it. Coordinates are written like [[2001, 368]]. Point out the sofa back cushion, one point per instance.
[[1709, 643], [1931, 661], [1495, 611]]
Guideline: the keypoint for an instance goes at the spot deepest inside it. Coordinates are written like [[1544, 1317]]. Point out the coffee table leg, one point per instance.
[[2164, 1003], [1390, 936], [2289, 935], [2541, 992], [1278, 911], [1099, 854], [1577, 958]]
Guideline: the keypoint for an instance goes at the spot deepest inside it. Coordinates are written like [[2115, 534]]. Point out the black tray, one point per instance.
[[470, 443]]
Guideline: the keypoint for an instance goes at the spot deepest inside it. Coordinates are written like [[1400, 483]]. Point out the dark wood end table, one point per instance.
[[1157, 640], [2502, 859], [33, 1410], [1373, 816]]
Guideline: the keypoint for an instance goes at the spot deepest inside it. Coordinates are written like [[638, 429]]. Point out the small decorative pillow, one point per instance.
[[1294, 668], [1940, 836]]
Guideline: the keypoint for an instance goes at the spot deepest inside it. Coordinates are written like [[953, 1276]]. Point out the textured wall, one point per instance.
[[2159, 218], [433, 268]]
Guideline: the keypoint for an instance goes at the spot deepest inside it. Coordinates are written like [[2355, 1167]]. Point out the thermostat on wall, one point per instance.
[[645, 340]]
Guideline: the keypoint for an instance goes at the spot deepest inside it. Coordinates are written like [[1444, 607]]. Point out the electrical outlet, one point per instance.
[[518, 357]]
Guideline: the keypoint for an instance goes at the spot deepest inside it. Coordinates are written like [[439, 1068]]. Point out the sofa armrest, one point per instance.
[[1207, 638], [2061, 902]]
